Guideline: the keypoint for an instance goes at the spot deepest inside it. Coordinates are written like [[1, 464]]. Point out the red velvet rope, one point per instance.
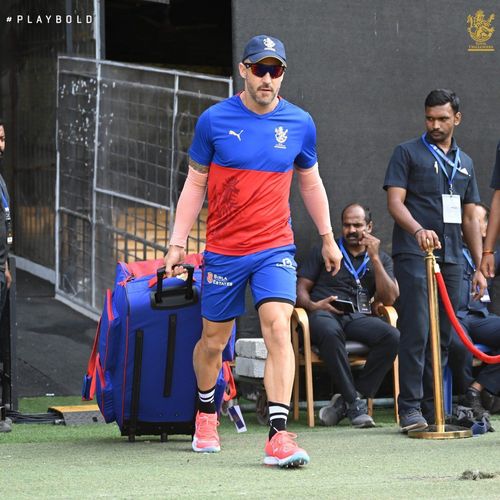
[[458, 328]]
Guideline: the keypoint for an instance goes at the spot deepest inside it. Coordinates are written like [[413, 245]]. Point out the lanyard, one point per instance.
[[468, 258], [360, 271], [4, 203], [440, 157], [6, 208]]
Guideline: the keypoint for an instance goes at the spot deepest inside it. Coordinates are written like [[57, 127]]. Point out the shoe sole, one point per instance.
[[320, 416], [365, 425], [330, 405], [295, 460], [207, 449], [419, 426]]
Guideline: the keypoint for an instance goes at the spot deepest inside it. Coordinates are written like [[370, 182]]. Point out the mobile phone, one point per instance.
[[346, 306]]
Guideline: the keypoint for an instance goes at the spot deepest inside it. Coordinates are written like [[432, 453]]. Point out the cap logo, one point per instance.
[[269, 44]]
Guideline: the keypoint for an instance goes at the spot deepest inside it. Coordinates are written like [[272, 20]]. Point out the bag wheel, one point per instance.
[[131, 438], [163, 437]]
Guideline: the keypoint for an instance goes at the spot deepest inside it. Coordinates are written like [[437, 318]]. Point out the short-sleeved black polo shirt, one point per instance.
[[414, 168], [495, 180], [343, 283]]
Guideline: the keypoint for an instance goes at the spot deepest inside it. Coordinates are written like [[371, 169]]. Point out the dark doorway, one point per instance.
[[183, 34]]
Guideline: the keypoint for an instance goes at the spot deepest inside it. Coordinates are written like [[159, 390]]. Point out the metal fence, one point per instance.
[[122, 137], [28, 73]]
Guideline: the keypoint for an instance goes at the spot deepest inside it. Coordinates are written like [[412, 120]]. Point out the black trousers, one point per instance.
[[481, 330], [415, 361], [3, 292], [329, 333], [3, 296]]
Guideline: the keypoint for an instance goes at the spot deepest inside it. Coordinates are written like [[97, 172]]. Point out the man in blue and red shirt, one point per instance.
[[246, 149]]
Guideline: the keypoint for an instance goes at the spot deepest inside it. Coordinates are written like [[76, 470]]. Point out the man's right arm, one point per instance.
[[395, 204], [315, 200], [188, 208], [8, 276], [488, 259]]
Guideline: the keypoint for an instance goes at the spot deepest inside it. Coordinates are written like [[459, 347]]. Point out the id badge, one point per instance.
[[8, 224], [363, 301], [452, 211]]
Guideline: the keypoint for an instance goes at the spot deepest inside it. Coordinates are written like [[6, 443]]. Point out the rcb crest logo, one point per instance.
[[480, 30], [281, 136]]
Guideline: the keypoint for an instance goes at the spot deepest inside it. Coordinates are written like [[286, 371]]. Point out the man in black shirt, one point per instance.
[[5, 240], [431, 195], [365, 274], [483, 328], [488, 259]]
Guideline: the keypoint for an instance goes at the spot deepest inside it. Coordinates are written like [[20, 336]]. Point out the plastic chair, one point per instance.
[[307, 358]]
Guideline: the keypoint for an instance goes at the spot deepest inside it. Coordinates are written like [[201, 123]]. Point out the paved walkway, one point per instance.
[[53, 341]]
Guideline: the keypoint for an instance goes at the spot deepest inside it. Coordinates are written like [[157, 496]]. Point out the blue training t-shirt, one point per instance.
[[250, 159]]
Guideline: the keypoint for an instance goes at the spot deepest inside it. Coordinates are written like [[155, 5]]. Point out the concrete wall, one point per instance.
[[362, 68]]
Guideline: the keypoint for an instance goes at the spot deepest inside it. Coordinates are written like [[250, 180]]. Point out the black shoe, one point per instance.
[[490, 401], [334, 411], [472, 399], [412, 420], [358, 414]]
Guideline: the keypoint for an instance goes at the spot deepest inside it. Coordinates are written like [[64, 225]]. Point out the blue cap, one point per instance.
[[262, 46]]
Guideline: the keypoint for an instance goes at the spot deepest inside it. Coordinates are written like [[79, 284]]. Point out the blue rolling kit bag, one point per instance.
[[141, 366]]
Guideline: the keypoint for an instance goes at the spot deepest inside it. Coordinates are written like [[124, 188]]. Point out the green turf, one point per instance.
[[94, 461]]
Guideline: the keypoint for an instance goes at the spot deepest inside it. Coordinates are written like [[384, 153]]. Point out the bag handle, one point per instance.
[[160, 273]]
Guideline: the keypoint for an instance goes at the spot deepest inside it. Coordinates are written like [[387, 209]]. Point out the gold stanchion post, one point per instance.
[[439, 430]]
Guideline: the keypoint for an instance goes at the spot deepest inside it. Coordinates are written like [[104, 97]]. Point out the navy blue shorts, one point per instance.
[[271, 274]]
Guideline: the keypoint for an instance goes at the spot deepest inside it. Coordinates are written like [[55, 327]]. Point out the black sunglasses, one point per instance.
[[261, 70]]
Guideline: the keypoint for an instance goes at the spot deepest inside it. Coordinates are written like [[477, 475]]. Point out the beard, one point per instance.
[[264, 100]]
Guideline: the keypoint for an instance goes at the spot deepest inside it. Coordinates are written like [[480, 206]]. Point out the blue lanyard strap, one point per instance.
[[440, 157], [361, 270], [468, 258], [4, 202]]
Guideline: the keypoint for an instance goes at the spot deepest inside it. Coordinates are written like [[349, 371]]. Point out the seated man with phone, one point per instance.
[[340, 308]]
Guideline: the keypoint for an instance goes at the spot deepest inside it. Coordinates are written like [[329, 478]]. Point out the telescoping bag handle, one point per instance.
[[177, 295]]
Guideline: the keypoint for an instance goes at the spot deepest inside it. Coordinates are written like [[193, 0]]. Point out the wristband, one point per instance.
[[418, 231], [488, 252]]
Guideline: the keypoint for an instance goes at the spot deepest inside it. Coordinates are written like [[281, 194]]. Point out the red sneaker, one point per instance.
[[206, 438], [283, 451]]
